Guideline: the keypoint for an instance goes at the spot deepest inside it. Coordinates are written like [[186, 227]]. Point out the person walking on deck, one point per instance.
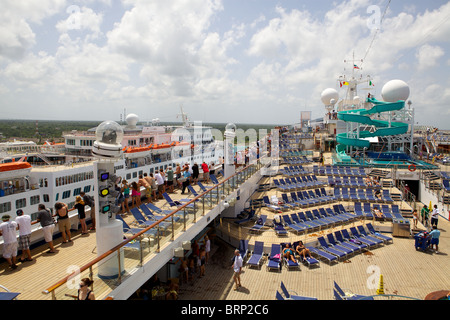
[[237, 267]]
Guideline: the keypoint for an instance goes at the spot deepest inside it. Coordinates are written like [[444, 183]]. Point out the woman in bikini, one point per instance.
[[302, 250], [288, 253]]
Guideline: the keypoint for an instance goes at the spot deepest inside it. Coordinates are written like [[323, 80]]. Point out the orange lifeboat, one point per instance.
[[4, 167]]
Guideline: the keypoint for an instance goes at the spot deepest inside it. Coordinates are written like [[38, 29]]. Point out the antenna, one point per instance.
[[184, 117]]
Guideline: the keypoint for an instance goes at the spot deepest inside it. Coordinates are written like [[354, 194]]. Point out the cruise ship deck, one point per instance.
[[407, 273]]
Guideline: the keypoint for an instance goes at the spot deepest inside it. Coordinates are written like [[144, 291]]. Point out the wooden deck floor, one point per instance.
[[406, 272]]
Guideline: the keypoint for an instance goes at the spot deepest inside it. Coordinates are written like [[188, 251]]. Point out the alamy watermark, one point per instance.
[[374, 21]]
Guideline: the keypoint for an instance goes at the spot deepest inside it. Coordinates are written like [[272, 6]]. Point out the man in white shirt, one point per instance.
[[237, 267], [24, 223], [434, 216], [160, 182], [8, 231]]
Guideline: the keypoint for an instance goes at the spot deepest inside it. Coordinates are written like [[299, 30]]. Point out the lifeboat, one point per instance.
[[14, 170], [14, 166], [136, 152]]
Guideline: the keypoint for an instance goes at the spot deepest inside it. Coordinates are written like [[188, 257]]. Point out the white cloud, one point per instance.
[[81, 19], [16, 34], [428, 56]]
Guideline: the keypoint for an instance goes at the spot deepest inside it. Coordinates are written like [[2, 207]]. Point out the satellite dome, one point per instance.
[[328, 95], [109, 132], [395, 90], [230, 127], [132, 119]]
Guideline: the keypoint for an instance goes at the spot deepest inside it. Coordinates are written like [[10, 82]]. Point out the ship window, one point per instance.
[[34, 200], [135, 174], [66, 194], [57, 197], [76, 192], [141, 172], [5, 207], [128, 176], [21, 203], [46, 198], [87, 189]]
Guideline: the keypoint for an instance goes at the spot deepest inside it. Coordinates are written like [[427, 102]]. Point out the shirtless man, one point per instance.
[[143, 183]]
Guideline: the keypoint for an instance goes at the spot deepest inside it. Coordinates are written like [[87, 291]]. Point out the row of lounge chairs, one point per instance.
[[338, 171], [290, 184], [362, 195], [387, 212], [292, 159], [337, 246], [299, 199], [349, 181], [305, 222], [294, 171], [344, 243], [275, 259]]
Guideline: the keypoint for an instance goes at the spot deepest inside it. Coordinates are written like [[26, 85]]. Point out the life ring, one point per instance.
[[412, 167]]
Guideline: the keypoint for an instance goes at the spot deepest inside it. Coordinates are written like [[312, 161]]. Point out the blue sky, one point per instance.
[[247, 61]]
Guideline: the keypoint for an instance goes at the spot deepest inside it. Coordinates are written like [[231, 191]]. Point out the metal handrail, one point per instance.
[[89, 265]]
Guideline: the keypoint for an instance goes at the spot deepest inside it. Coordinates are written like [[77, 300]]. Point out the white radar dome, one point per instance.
[[329, 96], [109, 132], [395, 90], [132, 119]]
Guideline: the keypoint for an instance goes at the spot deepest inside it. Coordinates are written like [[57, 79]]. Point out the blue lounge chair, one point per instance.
[[349, 296], [257, 227], [343, 242], [127, 229], [386, 212], [288, 262], [396, 212], [293, 226], [387, 196], [257, 255], [373, 232], [358, 209], [309, 227], [149, 214], [294, 296], [243, 249], [364, 234], [357, 236], [324, 246], [274, 259], [305, 220], [271, 206], [174, 203], [323, 255], [157, 210], [279, 229], [352, 240], [332, 242], [142, 221], [310, 261], [278, 296]]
